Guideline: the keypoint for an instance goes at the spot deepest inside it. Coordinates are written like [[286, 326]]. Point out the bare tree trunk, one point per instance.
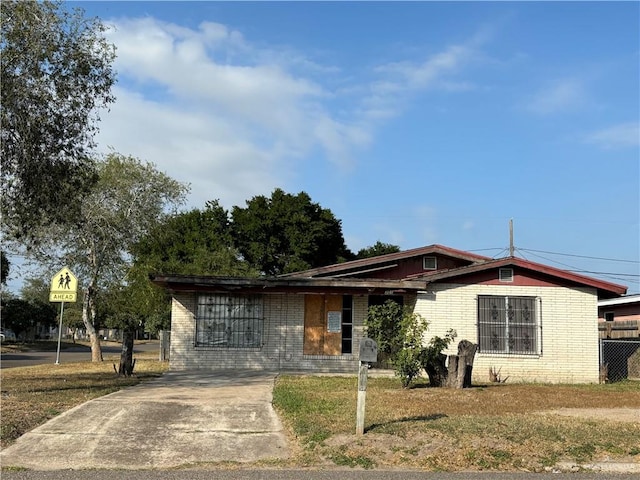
[[437, 370], [88, 318], [126, 356], [467, 353], [461, 365]]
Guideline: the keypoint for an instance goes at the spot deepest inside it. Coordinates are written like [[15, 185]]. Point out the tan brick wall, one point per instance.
[[283, 335], [569, 336]]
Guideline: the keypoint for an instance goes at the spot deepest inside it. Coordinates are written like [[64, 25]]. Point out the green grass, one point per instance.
[[490, 427], [493, 427]]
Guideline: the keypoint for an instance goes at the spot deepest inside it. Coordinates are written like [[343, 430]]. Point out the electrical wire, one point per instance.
[[581, 256], [572, 268]]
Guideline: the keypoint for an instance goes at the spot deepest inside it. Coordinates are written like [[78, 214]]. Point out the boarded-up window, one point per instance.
[[327, 324], [508, 325]]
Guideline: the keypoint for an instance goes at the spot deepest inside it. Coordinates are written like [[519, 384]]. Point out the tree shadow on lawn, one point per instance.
[[419, 418]]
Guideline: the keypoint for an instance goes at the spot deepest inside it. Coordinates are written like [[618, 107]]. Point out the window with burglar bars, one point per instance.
[[229, 321], [508, 325]]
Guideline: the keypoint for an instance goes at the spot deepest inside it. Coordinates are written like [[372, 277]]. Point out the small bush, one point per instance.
[[399, 334]]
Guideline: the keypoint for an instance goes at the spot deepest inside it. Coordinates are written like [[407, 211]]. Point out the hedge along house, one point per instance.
[[532, 321]]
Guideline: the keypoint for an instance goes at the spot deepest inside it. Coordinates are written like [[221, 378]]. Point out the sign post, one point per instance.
[[64, 288], [368, 354]]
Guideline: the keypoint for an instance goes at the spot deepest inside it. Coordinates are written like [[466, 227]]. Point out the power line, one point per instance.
[[581, 256], [610, 275]]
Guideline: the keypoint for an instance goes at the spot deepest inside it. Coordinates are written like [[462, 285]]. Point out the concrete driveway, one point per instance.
[[178, 419]]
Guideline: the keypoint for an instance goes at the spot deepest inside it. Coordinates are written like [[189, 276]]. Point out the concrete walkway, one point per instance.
[[180, 418]]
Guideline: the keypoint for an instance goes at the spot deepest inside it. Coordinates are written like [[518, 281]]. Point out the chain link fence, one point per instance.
[[619, 360]]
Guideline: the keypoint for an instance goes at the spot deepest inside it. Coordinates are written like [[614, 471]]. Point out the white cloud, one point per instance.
[[234, 120], [211, 109], [388, 97], [617, 136], [559, 96]]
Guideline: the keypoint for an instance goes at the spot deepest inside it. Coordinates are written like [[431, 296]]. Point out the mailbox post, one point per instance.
[[368, 354]]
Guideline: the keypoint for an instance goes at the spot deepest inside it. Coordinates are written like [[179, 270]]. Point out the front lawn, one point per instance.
[[491, 427]]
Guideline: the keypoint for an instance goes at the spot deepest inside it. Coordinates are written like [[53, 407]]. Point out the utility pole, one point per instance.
[[511, 247]]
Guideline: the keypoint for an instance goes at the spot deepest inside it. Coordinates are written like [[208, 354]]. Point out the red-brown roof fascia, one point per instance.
[[611, 288], [367, 263]]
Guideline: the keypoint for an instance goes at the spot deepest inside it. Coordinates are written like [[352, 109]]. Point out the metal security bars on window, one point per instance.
[[508, 325], [231, 321]]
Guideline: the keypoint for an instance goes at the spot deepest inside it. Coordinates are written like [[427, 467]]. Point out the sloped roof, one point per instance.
[[350, 275], [604, 288], [375, 263], [624, 300]]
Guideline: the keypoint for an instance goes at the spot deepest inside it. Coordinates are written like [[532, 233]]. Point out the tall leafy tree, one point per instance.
[[196, 242], [56, 74], [22, 316], [128, 200], [287, 233], [5, 266], [379, 248]]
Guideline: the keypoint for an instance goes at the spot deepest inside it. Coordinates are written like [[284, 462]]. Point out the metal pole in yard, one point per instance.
[[59, 333], [362, 397]]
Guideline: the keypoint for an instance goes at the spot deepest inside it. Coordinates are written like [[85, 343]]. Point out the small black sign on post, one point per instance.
[[368, 354]]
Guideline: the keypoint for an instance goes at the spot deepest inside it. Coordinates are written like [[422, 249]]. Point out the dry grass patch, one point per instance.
[[33, 395], [492, 427]]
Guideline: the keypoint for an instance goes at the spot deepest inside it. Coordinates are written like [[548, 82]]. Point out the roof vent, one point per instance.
[[506, 274], [429, 263]]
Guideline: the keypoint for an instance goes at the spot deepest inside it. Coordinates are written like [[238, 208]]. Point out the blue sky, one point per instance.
[[414, 123]]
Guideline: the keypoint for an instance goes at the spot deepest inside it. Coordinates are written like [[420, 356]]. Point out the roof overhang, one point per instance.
[[189, 283], [381, 262], [624, 300], [605, 289]]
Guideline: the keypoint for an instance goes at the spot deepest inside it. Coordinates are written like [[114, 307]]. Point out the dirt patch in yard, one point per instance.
[[608, 414]]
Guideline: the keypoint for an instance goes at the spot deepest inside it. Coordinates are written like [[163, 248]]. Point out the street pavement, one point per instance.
[[179, 419], [69, 355]]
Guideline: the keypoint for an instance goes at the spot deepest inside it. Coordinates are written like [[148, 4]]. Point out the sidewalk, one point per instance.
[[180, 418]]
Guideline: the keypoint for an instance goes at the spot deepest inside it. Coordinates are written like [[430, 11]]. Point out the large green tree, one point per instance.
[[287, 233], [379, 248], [23, 316], [56, 74], [128, 200], [196, 242], [5, 266]]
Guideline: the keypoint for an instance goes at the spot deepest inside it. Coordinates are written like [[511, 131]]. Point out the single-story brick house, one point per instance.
[[532, 321]]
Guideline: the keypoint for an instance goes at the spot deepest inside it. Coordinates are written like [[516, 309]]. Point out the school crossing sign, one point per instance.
[[64, 287]]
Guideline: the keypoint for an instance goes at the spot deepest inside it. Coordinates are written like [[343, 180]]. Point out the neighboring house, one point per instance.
[[619, 317], [532, 321]]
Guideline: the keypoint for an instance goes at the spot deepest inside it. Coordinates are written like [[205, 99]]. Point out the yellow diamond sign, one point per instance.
[[64, 287]]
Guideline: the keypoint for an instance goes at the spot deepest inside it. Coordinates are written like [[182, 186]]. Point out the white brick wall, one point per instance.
[[569, 334], [570, 349], [283, 338]]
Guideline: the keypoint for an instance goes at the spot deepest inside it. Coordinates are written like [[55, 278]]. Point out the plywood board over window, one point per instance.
[[318, 340]]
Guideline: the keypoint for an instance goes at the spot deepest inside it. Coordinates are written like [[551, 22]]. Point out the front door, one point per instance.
[[322, 336]]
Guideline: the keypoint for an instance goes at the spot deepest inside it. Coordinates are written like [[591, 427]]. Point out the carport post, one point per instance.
[[59, 333]]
